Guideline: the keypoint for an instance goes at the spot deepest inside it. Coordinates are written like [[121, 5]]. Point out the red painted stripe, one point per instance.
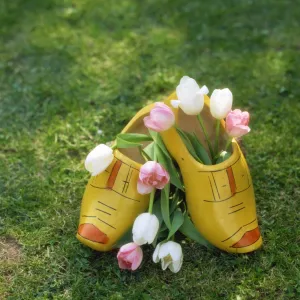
[[92, 233], [113, 175], [249, 238], [231, 180]]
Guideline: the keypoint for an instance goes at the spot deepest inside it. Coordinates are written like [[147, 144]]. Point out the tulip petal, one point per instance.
[[152, 229], [161, 117], [245, 118], [101, 165], [166, 261], [124, 264], [151, 124], [144, 189], [239, 130], [175, 103], [176, 265], [172, 248], [99, 159], [138, 259], [140, 227], [125, 249], [184, 79], [162, 105], [145, 228], [130, 256], [191, 97], [164, 250], [220, 103], [204, 90], [155, 256], [176, 251], [237, 123]]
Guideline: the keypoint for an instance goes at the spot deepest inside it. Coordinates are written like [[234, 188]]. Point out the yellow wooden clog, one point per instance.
[[111, 202], [220, 197]]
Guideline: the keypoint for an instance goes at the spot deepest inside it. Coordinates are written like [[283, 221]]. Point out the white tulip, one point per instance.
[[220, 103], [170, 255], [99, 159], [145, 228], [190, 96]]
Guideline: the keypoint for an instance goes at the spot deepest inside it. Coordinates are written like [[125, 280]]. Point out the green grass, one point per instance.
[[69, 68]]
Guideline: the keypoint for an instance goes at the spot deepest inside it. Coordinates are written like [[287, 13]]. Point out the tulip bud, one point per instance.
[[170, 255], [99, 159], [145, 228], [190, 96], [220, 103], [237, 123], [152, 176], [161, 118], [130, 256]]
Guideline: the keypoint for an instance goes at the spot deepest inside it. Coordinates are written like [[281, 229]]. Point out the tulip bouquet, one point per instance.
[[160, 176]]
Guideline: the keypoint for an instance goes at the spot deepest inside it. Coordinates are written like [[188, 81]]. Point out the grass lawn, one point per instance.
[[71, 68]]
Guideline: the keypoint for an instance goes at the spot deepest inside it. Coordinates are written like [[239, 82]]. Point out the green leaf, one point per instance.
[[120, 143], [164, 202], [162, 233], [189, 230], [159, 141], [135, 137], [157, 211], [167, 162], [199, 149], [149, 150], [176, 223], [188, 144]]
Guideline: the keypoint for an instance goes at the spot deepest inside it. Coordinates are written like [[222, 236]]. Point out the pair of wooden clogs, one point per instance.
[[220, 197]]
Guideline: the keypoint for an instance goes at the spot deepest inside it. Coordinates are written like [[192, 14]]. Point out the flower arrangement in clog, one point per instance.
[[186, 174]]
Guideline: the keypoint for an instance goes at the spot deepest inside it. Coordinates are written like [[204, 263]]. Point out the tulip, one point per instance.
[[190, 96], [130, 256], [161, 118], [220, 103], [145, 228], [170, 255], [237, 123], [152, 176], [99, 159]]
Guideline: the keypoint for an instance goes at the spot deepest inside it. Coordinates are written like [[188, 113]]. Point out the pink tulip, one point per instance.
[[152, 175], [237, 123], [161, 118], [130, 256]]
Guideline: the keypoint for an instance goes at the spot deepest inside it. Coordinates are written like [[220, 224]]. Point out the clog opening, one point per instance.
[[191, 124]]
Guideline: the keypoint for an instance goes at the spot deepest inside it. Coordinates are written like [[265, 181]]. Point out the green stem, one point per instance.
[[114, 147], [205, 135], [151, 201], [228, 143], [217, 136], [153, 192]]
